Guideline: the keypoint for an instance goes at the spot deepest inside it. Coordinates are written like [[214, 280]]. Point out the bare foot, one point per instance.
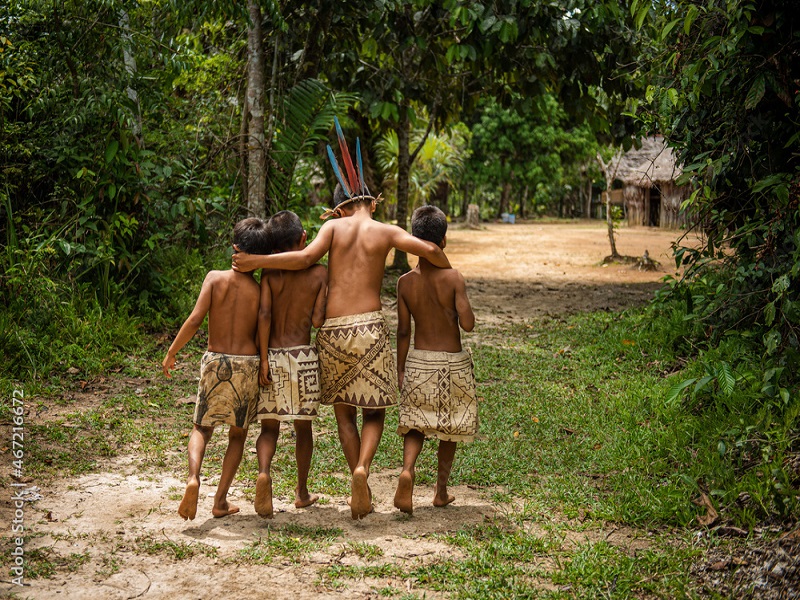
[[304, 500], [224, 509], [360, 499], [403, 497], [263, 503], [188, 506], [442, 498]]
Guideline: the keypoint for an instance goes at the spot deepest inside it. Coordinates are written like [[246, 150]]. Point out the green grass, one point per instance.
[[576, 433], [292, 542]]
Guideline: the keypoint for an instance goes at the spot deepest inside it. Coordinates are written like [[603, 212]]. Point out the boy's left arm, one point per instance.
[[466, 318], [402, 240], [318, 313], [403, 333], [264, 325]]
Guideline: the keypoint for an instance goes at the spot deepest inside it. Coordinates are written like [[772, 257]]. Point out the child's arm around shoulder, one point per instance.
[[291, 261], [192, 323], [466, 318], [402, 240]]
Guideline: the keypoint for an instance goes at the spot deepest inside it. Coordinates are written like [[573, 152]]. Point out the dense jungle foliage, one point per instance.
[[123, 159]]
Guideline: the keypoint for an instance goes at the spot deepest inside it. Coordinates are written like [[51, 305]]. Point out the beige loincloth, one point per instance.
[[356, 361], [294, 393], [438, 396], [228, 390]]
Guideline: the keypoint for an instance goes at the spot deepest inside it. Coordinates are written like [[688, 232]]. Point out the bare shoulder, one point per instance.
[[318, 273]]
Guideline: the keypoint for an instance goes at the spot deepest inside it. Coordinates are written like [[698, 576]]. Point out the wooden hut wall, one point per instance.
[[671, 198], [635, 204]]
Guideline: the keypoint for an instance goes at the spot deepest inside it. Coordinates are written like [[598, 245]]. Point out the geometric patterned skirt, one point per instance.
[[356, 362], [294, 393], [438, 396]]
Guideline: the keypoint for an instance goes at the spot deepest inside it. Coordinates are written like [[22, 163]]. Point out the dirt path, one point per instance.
[[115, 534]]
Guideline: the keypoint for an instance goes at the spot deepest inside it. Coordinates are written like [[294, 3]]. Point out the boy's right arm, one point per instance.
[[191, 325], [264, 326], [291, 261], [403, 332]]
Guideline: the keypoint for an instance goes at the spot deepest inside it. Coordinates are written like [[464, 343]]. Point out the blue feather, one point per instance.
[[336, 171], [360, 167]]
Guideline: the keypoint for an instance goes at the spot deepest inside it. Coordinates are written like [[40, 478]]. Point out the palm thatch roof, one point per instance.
[[649, 165]]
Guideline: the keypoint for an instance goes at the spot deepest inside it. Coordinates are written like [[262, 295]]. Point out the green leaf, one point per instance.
[[702, 383], [721, 448], [112, 191], [641, 15], [781, 285], [676, 390], [727, 380], [691, 15], [111, 151], [755, 94], [769, 313], [785, 395]]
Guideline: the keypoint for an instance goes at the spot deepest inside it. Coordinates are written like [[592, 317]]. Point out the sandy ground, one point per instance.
[[514, 273]]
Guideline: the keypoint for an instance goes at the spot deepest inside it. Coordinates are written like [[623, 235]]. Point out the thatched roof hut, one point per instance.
[[650, 193]]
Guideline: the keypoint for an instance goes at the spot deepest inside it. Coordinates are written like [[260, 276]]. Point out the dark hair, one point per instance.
[[339, 196], [285, 230], [251, 236], [429, 223]]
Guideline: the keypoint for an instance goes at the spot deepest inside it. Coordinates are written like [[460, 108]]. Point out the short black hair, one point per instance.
[[285, 229], [429, 223], [251, 236], [339, 196]]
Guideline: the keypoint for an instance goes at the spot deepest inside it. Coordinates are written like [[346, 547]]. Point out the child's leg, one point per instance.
[[303, 450], [412, 446], [447, 452], [198, 440], [371, 432], [348, 433], [233, 456], [265, 449]]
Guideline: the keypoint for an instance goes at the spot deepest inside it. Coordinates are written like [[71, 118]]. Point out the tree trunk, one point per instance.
[[588, 213], [254, 105], [403, 168], [610, 175], [441, 196], [473, 216], [504, 195], [130, 69], [523, 202]]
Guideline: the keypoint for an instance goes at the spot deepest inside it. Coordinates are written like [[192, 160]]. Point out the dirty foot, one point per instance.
[[304, 500], [360, 499], [224, 509], [188, 506], [263, 503], [403, 497], [442, 498]]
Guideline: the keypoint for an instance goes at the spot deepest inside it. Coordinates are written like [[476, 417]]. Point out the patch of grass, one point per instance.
[[333, 575], [178, 550], [364, 550], [293, 542]]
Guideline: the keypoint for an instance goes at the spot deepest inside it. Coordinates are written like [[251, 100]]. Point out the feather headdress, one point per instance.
[[352, 179]]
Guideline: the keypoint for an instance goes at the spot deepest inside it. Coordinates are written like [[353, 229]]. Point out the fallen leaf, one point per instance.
[[711, 513], [628, 343], [719, 566], [535, 419], [597, 446], [516, 434], [73, 371]]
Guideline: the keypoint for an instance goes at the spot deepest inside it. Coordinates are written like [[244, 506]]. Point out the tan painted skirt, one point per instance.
[[356, 362], [294, 393], [438, 396], [228, 390]]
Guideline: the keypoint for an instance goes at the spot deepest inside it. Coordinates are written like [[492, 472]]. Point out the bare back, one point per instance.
[[436, 299], [297, 303], [233, 313], [356, 261]]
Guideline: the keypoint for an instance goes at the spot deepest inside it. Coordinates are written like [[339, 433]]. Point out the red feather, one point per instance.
[[352, 176]]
